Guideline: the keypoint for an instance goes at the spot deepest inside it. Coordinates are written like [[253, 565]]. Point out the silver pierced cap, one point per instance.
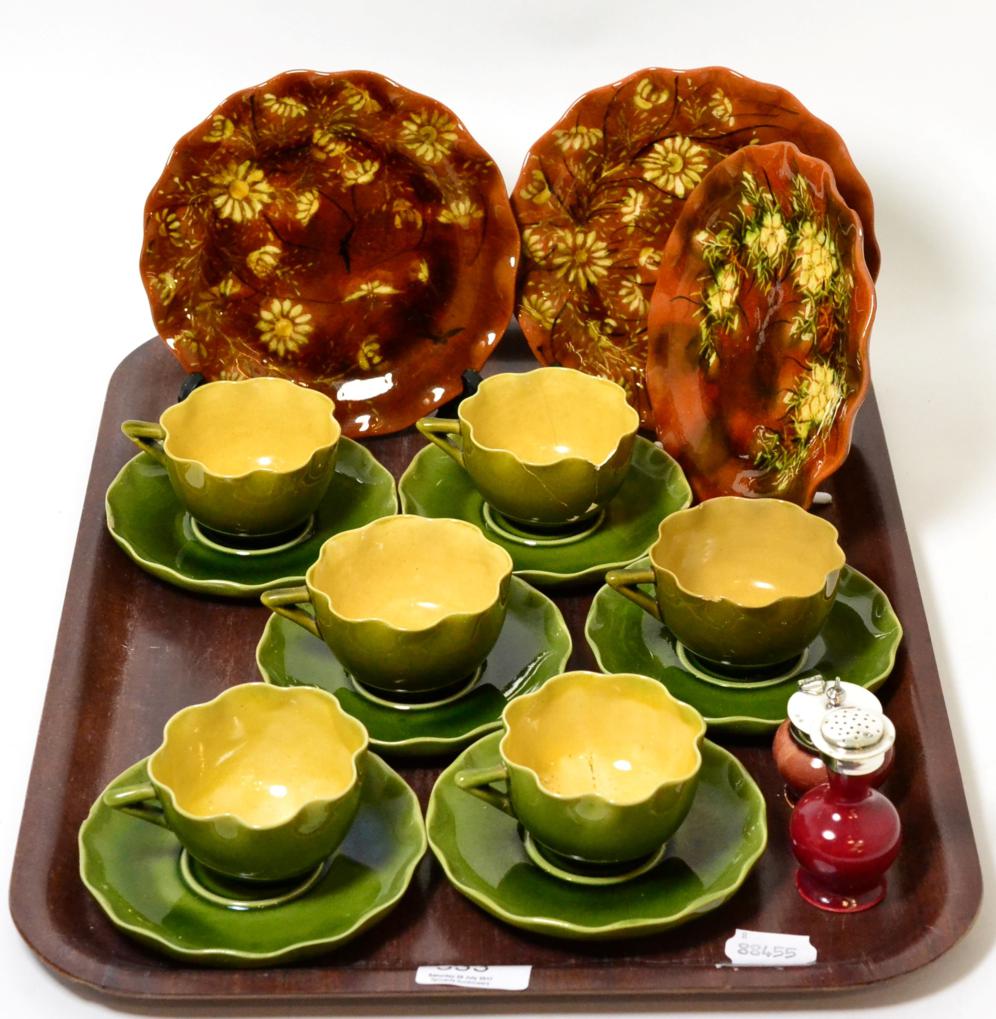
[[852, 728], [855, 738], [816, 696]]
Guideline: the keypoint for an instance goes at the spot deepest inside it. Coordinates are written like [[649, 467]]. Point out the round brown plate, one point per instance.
[[337, 230], [600, 192], [759, 328]]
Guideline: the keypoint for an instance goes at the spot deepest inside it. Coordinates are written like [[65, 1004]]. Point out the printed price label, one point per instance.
[[484, 978], [762, 948]]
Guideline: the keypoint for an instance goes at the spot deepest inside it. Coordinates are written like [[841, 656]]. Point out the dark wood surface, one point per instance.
[[132, 650]]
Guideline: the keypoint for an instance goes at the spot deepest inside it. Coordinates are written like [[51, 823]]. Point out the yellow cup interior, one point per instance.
[[619, 736], [260, 753], [233, 428], [749, 551], [410, 572], [550, 414]]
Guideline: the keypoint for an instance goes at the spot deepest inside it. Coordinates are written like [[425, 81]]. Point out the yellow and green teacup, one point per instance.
[[249, 458], [545, 448], [740, 582], [260, 784], [599, 769], [409, 605]]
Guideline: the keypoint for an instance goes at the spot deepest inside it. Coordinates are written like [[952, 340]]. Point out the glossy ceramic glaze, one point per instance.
[[235, 428], [246, 458], [759, 328], [338, 230], [544, 448], [601, 191], [600, 769], [153, 528], [434, 485], [858, 643], [845, 835], [132, 869], [407, 604], [741, 582], [534, 645], [105, 670], [708, 857], [260, 783]]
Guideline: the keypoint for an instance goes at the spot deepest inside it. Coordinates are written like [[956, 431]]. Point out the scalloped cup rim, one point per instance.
[[446, 620], [753, 502], [565, 928], [442, 744], [362, 922], [519, 376], [222, 586], [177, 408], [684, 709], [228, 815], [763, 725], [551, 578]]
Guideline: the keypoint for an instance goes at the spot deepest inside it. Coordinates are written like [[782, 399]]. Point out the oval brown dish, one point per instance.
[[600, 192], [759, 327], [337, 230]]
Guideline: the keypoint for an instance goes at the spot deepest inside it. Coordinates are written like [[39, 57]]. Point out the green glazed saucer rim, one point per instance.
[[441, 744], [752, 720], [553, 578], [220, 585], [704, 903], [172, 948]]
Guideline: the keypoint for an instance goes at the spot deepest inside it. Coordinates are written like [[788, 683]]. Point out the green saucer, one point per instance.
[[858, 642], [707, 860], [434, 485], [133, 869], [534, 645], [147, 520]]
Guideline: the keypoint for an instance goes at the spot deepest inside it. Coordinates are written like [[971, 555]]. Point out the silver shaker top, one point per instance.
[[843, 722]]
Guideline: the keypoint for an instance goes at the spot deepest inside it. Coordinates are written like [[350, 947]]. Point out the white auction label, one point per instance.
[[764, 948], [484, 978]]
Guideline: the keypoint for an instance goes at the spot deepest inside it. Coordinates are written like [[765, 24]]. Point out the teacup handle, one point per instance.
[[287, 602], [625, 581], [148, 436], [436, 430], [477, 782], [137, 801]]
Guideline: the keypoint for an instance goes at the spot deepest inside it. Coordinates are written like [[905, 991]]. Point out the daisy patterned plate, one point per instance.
[[337, 230], [600, 192], [759, 328]]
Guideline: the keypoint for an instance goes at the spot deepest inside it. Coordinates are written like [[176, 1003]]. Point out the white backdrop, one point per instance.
[[94, 94]]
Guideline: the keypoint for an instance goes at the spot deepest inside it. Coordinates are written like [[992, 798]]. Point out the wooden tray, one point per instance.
[[131, 651]]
